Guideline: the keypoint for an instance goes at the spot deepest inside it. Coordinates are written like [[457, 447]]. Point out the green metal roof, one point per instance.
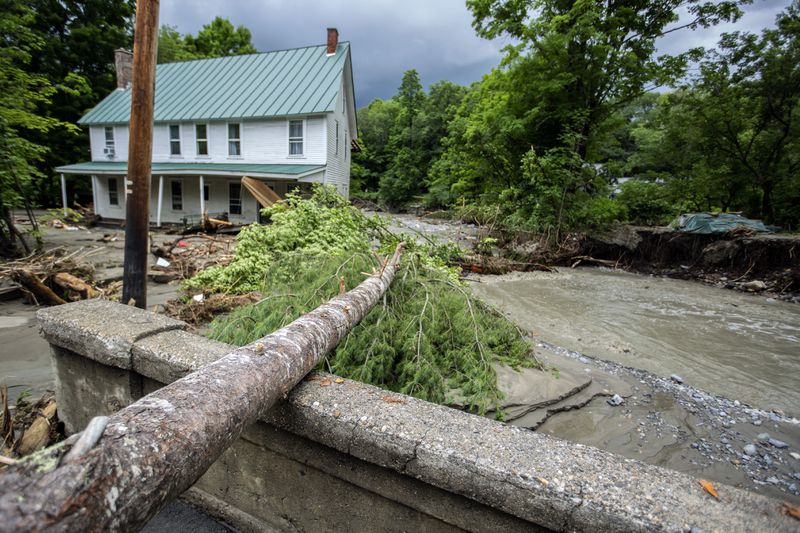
[[209, 169], [287, 82]]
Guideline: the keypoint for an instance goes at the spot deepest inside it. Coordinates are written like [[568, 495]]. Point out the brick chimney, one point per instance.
[[123, 61], [333, 40]]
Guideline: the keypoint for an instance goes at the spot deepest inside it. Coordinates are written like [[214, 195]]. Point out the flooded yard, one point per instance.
[[745, 347]]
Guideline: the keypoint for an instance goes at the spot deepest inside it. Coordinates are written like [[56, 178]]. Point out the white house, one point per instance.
[[281, 118]]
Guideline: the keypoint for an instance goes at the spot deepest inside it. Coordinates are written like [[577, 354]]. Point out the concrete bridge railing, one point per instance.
[[343, 455]]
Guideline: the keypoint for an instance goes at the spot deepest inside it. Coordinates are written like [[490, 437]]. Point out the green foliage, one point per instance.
[[76, 57], [646, 202], [324, 224], [428, 338], [22, 93], [218, 38]]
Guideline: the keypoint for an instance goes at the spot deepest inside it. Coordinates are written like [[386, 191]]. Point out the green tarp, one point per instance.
[[708, 223]]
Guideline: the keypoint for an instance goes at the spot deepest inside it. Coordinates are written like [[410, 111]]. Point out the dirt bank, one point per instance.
[[752, 263]]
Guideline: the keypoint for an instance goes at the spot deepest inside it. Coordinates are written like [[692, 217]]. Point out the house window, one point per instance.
[[206, 193], [337, 138], [295, 137], [201, 133], [234, 140], [177, 195], [109, 147], [235, 198], [174, 139], [113, 192]]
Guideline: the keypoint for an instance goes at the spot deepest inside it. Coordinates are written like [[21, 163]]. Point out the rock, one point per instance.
[[737, 403], [763, 436], [768, 460], [777, 443], [615, 400], [756, 422], [795, 456], [754, 286], [676, 378], [750, 449], [772, 480]]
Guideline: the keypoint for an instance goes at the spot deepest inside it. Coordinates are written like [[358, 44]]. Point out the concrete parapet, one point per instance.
[[339, 454]]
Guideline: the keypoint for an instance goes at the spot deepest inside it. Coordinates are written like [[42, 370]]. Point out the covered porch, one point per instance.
[[184, 192]]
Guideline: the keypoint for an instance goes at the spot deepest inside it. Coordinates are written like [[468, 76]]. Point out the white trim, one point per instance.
[[94, 193], [304, 138], [160, 200], [64, 194], [228, 140], [197, 154], [202, 197], [179, 155]]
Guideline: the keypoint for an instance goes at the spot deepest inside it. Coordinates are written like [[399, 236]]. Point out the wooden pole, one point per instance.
[[140, 153], [153, 450]]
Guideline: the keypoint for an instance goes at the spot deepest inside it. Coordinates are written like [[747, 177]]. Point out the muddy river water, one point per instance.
[[741, 346]]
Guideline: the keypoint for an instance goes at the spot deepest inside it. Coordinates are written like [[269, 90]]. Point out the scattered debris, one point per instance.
[[615, 400], [31, 427], [709, 488], [200, 311], [676, 378]]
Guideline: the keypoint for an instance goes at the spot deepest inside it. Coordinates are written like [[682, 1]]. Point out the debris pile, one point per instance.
[[28, 427], [53, 277], [183, 257]]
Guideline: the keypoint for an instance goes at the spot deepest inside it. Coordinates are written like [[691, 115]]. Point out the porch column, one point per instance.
[[202, 199], [64, 194], [94, 193], [160, 200]]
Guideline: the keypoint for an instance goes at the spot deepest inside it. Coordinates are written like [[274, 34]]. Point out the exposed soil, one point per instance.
[[735, 260]]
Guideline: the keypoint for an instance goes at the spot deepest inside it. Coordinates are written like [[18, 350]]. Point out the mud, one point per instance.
[[746, 347]]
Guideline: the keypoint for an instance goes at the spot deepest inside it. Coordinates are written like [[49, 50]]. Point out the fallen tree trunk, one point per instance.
[[153, 450], [34, 285]]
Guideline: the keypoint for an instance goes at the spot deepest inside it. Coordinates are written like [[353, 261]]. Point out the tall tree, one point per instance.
[[405, 175], [216, 39], [77, 57], [589, 57], [22, 94]]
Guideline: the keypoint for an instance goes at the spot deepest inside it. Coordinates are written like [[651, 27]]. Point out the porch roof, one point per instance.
[[285, 171]]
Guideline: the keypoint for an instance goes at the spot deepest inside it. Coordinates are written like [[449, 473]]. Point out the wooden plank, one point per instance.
[[261, 192]]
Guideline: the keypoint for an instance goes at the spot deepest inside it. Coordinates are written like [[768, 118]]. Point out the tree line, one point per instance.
[[542, 141]]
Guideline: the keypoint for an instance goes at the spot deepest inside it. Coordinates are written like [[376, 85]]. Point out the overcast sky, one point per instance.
[[389, 37]]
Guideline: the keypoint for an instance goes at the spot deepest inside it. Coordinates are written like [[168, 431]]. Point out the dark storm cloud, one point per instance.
[[389, 36]]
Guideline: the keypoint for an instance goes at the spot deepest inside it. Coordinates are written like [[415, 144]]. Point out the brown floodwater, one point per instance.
[[742, 346]]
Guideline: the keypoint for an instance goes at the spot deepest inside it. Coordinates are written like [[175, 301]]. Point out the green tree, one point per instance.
[[22, 94], [76, 55], [747, 107], [375, 124], [405, 175], [218, 38], [589, 57]]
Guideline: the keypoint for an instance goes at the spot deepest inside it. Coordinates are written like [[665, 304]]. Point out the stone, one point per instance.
[[737, 403], [795, 456], [750, 449], [615, 400], [754, 286], [772, 480], [676, 378], [763, 436], [777, 443]]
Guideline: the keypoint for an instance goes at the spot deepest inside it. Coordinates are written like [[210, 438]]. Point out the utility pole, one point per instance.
[[140, 153]]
